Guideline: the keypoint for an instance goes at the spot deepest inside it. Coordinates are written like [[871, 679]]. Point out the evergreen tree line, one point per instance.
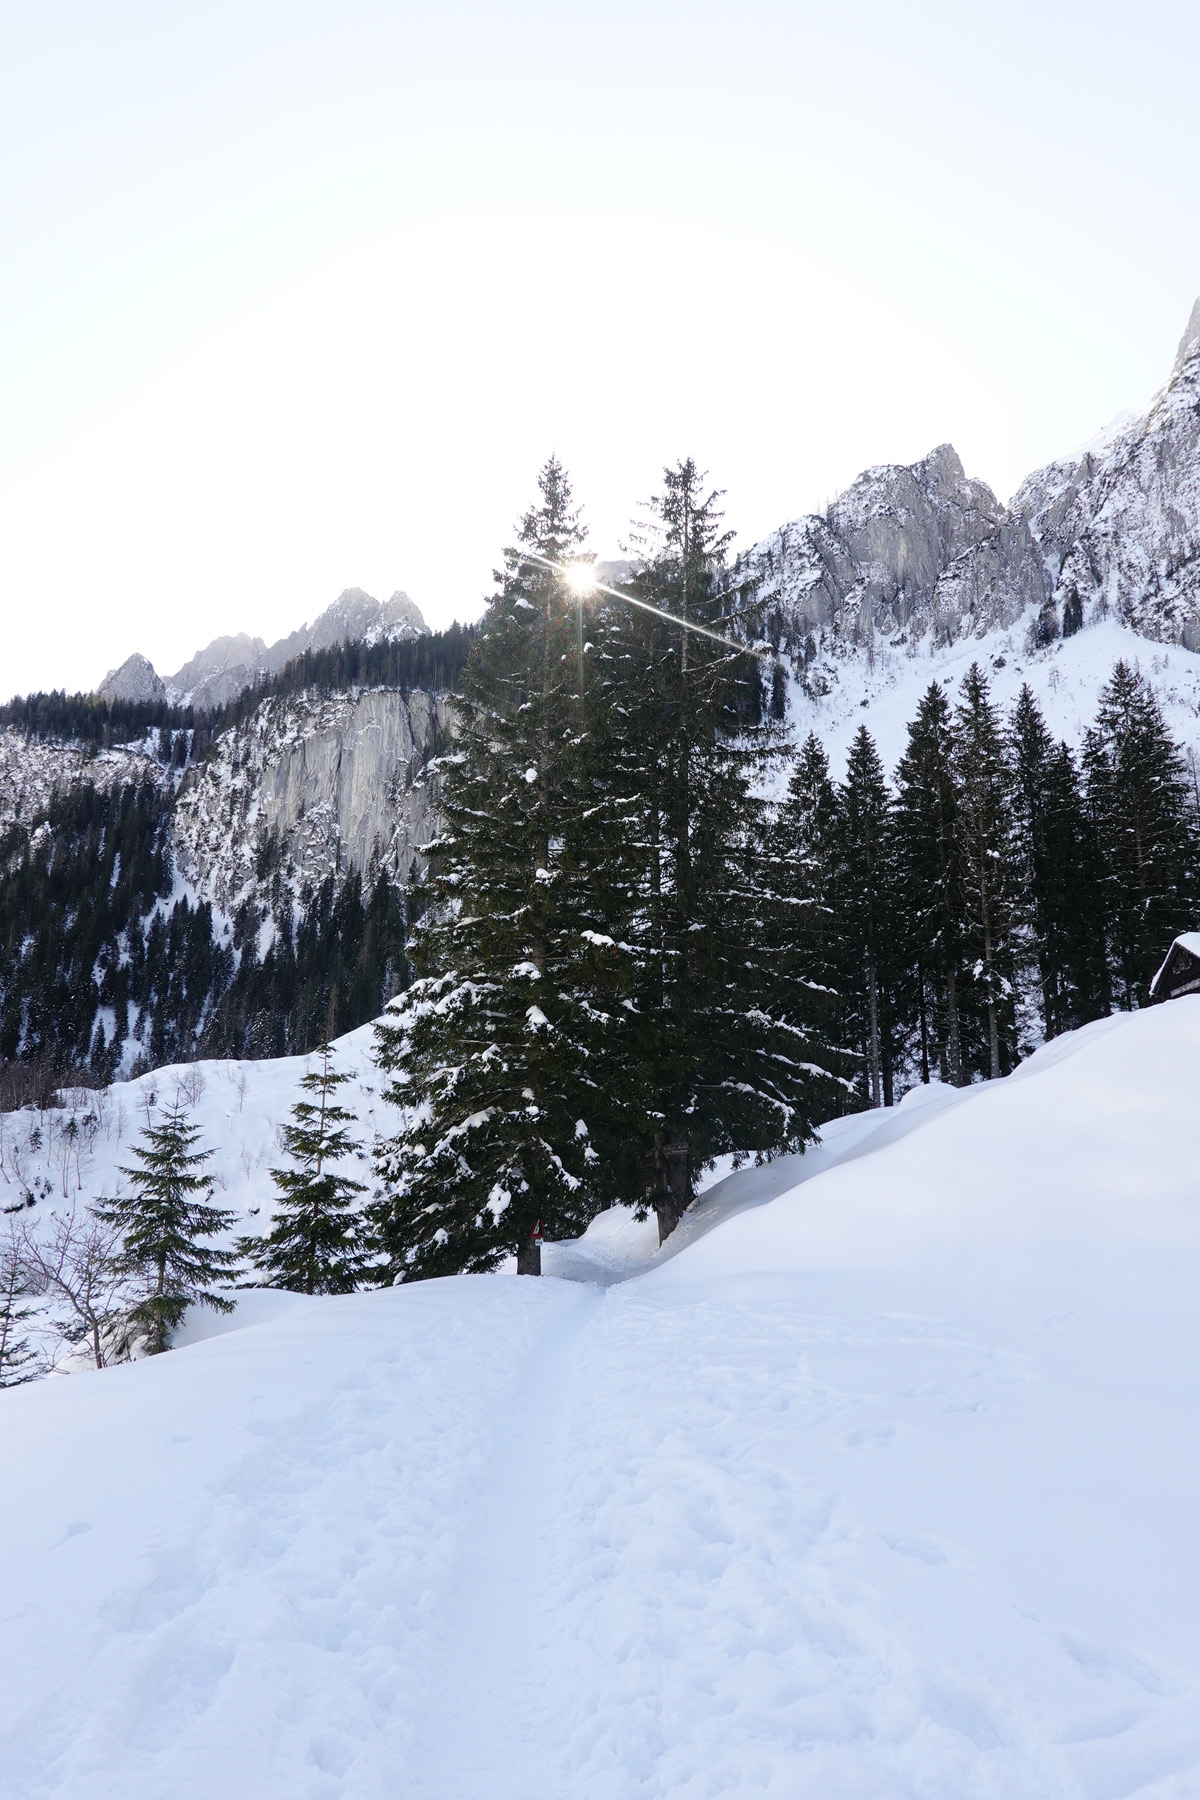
[[1000, 890], [432, 662], [93, 951]]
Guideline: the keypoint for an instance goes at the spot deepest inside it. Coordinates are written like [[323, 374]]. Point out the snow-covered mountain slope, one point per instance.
[[59, 1156], [313, 786], [904, 553], [33, 770], [839, 692], [1118, 524], [883, 1485], [228, 665]]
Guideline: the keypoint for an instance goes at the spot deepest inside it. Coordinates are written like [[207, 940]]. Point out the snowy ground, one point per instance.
[[238, 1107], [884, 1484]]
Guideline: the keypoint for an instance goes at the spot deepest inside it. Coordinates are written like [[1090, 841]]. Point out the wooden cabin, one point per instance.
[[1180, 972]]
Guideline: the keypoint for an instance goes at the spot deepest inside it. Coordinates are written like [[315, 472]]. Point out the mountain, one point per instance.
[[229, 665], [904, 555], [879, 1479], [1118, 524]]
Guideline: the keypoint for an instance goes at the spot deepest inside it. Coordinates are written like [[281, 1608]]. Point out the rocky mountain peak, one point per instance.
[[1118, 523], [1190, 341], [229, 665], [136, 679]]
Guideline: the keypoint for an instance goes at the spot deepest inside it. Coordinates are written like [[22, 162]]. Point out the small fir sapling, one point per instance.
[[314, 1246], [165, 1222]]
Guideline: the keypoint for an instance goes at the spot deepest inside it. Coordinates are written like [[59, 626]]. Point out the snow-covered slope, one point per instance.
[[238, 1107], [882, 1485], [34, 770], [838, 693]]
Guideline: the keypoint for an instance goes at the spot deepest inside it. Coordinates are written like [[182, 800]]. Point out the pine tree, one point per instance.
[[1139, 804], [803, 888], [931, 909], [985, 838], [719, 1052], [19, 1361], [866, 908], [165, 1222], [1057, 874], [489, 1047], [314, 1244]]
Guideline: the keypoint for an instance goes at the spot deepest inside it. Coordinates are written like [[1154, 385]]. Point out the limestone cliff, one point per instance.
[[310, 786], [904, 551], [1118, 523]]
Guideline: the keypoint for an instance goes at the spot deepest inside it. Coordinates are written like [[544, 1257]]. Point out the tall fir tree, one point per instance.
[[721, 1052], [866, 910], [986, 842], [931, 909], [1140, 807], [165, 1223], [489, 1048], [1057, 875], [315, 1242]]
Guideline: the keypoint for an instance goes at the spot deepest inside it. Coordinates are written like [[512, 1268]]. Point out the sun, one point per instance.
[[580, 578]]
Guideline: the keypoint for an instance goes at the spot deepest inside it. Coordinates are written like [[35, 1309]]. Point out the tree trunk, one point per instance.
[[529, 1255], [873, 997], [674, 1195], [924, 1024]]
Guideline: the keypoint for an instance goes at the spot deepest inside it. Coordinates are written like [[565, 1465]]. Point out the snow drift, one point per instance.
[[883, 1483]]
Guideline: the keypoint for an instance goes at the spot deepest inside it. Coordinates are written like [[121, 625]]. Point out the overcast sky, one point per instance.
[[296, 297]]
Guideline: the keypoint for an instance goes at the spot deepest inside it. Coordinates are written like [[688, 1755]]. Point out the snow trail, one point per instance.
[[499, 1693]]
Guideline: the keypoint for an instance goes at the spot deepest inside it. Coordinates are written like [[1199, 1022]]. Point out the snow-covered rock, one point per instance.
[[1118, 523], [315, 785], [34, 770], [903, 553]]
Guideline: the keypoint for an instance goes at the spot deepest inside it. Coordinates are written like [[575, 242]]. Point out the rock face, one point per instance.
[[903, 552], [134, 680], [220, 671], [309, 787], [1118, 524], [34, 770]]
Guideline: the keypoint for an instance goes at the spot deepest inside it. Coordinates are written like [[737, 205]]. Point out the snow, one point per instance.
[[879, 1480], [238, 1107]]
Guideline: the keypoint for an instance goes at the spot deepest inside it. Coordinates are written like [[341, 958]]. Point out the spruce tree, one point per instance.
[[720, 1050], [1140, 807], [19, 1361], [985, 841], [314, 1245], [931, 910], [866, 911], [165, 1222], [489, 1048], [1057, 875], [803, 884]]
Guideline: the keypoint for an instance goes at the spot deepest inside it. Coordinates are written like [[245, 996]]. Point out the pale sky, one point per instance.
[[298, 297]]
